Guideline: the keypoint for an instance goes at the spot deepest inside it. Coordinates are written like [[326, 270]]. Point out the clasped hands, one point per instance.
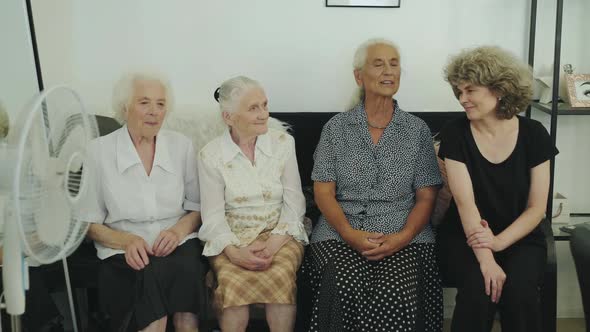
[[258, 255], [376, 246]]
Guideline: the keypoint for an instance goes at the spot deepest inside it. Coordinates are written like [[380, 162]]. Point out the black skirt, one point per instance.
[[167, 285], [340, 290]]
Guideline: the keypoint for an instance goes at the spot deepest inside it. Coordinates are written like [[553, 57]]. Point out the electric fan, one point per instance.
[[41, 180]]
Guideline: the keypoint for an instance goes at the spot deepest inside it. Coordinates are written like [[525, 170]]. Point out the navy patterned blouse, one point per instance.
[[375, 184]]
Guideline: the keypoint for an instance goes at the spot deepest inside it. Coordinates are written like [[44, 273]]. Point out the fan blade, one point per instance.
[[39, 152], [54, 216]]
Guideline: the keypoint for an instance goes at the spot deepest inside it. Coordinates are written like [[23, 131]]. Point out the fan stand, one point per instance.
[[15, 320], [70, 293]]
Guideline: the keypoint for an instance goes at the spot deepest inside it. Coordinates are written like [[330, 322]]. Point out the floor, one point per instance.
[[563, 325]]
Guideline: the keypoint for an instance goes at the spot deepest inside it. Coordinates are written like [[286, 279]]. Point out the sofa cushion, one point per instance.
[[443, 199]]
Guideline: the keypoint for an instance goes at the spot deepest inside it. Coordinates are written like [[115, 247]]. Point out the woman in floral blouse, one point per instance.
[[252, 210]]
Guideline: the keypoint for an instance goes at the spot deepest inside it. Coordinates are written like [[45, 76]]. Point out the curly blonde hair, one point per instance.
[[498, 70]]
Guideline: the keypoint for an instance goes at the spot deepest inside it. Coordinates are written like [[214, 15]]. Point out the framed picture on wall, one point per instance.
[[578, 89], [363, 3]]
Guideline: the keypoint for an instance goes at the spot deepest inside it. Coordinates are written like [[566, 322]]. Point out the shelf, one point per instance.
[[562, 109]]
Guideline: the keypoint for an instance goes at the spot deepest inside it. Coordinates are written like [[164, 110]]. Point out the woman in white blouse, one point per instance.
[[144, 206], [253, 210]]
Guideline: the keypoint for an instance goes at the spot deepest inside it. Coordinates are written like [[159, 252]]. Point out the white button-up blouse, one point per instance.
[[123, 197], [240, 200]]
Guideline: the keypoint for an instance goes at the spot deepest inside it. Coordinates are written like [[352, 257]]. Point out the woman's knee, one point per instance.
[[515, 296], [185, 321], [473, 295]]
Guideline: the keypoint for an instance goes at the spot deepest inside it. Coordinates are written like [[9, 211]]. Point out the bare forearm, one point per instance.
[[470, 220], [187, 224], [108, 237], [333, 212], [470, 217], [418, 218], [521, 227]]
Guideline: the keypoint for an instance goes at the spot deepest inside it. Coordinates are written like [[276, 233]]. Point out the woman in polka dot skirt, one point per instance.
[[371, 264]]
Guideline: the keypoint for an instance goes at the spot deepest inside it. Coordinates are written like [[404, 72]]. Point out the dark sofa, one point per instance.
[[306, 128]]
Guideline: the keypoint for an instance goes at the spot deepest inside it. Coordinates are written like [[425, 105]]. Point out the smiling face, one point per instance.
[[380, 75], [251, 115], [147, 108], [478, 101]]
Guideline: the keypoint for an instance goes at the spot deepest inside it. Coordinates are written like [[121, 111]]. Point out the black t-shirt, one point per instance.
[[501, 190]]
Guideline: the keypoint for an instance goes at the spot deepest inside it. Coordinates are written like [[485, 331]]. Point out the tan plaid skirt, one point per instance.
[[236, 286]]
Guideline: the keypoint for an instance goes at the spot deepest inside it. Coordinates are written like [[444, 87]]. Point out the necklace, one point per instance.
[[376, 127]]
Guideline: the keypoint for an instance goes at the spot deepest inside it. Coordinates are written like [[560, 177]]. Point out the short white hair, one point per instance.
[[232, 90], [4, 122], [124, 89], [359, 60]]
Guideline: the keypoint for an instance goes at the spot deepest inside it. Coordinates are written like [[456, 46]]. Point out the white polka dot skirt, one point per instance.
[[340, 290]]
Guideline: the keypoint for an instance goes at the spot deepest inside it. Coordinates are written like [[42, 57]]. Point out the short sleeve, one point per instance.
[[540, 146], [427, 172], [324, 166], [451, 141]]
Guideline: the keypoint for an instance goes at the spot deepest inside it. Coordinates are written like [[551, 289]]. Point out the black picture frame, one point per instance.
[[364, 3]]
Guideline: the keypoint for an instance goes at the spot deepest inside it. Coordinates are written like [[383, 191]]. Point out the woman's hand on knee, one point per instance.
[[165, 243], [136, 252], [246, 257], [494, 278]]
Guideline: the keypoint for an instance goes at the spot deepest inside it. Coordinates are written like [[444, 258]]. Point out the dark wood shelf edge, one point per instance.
[[562, 109]]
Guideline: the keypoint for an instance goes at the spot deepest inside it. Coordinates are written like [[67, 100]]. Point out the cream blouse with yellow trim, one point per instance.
[[240, 199]]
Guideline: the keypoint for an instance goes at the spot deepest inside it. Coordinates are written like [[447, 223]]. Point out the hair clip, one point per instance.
[[216, 94]]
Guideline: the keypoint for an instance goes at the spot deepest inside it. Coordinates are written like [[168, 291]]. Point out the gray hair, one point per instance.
[[124, 88], [232, 90], [359, 60], [4, 122]]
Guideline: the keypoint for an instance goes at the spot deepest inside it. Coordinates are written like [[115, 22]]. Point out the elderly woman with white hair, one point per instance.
[[144, 207], [252, 209], [371, 264]]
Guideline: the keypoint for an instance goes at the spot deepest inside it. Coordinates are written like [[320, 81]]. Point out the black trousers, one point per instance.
[[519, 305]]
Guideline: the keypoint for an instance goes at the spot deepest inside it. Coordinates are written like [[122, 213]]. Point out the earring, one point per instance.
[[499, 98]]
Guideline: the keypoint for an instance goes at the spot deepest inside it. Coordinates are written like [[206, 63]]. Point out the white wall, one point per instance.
[[302, 51], [18, 80]]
